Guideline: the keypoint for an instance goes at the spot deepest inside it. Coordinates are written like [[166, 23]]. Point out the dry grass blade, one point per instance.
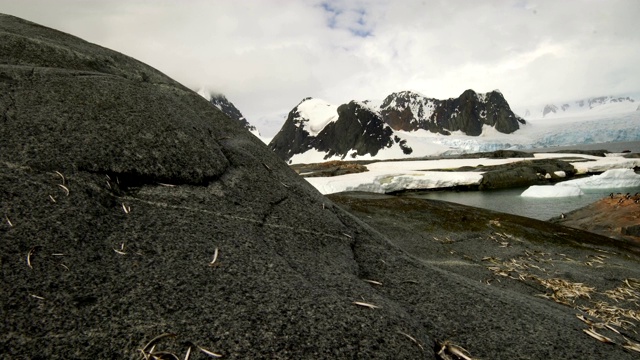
[[630, 345], [153, 341], [584, 319], [29, 257], [121, 251], [459, 352], [209, 352], [633, 283], [215, 257], [8, 221], [62, 176], [127, 209], [412, 339], [591, 332], [564, 291], [364, 304], [52, 199], [447, 348], [66, 189], [612, 328], [188, 354], [372, 282], [36, 296]]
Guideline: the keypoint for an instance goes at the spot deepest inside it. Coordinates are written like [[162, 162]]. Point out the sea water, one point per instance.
[[509, 201]]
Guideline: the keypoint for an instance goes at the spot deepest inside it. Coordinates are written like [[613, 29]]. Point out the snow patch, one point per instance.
[[391, 176], [205, 93], [315, 114]]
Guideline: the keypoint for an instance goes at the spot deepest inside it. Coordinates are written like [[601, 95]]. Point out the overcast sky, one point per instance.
[[267, 55]]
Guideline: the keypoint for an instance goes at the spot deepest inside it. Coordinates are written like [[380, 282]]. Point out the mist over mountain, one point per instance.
[[228, 108], [584, 106]]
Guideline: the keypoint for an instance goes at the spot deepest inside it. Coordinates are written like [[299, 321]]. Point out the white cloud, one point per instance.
[[265, 56]]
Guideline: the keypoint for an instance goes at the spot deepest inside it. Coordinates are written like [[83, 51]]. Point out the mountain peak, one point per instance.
[[359, 127], [223, 104]]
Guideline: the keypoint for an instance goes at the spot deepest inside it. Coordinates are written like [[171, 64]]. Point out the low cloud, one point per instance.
[[265, 56]]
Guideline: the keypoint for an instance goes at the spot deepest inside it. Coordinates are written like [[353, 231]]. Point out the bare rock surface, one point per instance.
[[505, 286], [133, 210]]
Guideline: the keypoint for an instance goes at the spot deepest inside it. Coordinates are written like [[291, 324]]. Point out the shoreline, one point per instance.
[[472, 172]]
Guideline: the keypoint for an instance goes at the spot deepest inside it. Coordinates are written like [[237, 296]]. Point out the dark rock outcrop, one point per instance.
[[292, 138], [117, 187], [409, 111], [358, 130], [221, 102], [525, 173]]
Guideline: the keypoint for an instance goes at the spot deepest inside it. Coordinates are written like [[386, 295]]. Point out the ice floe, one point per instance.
[[610, 179], [546, 191]]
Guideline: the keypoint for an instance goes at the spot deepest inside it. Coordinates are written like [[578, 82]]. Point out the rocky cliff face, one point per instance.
[[468, 113], [354, 129], [227, 107]]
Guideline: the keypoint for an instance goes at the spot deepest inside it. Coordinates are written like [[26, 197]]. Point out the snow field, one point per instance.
[[391, 176]]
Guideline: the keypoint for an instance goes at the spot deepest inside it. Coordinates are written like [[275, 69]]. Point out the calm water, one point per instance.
[[509, 201]]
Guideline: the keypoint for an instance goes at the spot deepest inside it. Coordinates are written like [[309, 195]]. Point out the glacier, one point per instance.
[[548, 133]]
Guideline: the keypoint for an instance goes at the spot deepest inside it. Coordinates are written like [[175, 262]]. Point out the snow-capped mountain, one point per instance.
[[607, 104], [360, 129], [354, 129], [227, 107], [468, 113]]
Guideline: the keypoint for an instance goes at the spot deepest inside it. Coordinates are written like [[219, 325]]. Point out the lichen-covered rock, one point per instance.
[[525, 173]]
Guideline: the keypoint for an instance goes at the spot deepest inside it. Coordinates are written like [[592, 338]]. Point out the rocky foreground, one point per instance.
[[138, 221]]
